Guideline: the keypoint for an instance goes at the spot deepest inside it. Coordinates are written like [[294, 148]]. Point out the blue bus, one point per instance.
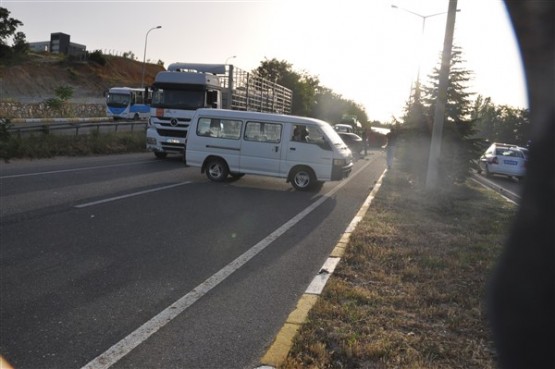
[[128, 103]]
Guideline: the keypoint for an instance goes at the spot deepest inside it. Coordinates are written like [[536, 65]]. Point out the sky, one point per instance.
[[366, 51]]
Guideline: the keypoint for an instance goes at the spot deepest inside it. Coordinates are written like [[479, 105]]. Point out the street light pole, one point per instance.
[[144, 56], [423, 17], [231, 57]]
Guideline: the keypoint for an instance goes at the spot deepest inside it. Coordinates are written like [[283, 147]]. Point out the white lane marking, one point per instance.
[[319, 282], [130, 195], [141, 334], [72, 170]]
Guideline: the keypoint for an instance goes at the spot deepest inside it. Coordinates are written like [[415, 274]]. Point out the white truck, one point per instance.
[[186, 87]]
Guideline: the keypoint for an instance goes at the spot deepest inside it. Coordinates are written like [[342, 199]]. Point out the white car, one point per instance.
[[504, 159]]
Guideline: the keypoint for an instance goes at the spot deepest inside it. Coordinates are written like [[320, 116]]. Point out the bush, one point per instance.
[[97, 57]]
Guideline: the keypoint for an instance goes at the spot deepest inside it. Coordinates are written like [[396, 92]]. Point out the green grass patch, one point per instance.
[[410, 290]]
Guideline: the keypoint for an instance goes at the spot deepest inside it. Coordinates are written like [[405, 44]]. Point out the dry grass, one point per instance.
[[410, 291]]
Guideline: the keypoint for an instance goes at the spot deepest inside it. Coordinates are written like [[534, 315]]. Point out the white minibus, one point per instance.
[[304, 151]]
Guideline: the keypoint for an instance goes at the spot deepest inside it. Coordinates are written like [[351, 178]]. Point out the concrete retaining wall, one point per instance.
[[16, 111]]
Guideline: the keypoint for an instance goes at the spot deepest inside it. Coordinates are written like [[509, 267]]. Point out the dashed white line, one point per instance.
[[130, 195], [69, 170]]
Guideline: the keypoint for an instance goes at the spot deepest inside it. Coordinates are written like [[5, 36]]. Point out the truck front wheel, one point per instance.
[[216, 170], [303, 179]]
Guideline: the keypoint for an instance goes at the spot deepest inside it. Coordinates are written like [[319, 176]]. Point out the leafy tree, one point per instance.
[[485, 115], [129, 55], [331, 106], [500, 123], [302, 85], [20, 44], [309, 98], [8, 27]]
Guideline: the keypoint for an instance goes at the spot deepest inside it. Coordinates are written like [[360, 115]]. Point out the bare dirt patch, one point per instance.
[[36, 79]]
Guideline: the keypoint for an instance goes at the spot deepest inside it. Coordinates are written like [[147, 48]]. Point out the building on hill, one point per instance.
[[59, 44]]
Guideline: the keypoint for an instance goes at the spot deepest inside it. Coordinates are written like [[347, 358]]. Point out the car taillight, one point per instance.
[[494, 160]]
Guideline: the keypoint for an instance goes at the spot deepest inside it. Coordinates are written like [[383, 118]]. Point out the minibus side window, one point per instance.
[[203, 127], [220, 128], [263, 132], [317, 137]]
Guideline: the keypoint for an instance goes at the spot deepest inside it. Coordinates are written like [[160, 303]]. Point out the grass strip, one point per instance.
[[409, 292], [49, 145]]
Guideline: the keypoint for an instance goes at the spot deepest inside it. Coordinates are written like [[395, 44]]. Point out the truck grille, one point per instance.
[[171, 133]]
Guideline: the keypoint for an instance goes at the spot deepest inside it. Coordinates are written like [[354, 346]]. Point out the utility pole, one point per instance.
[[439, 114]]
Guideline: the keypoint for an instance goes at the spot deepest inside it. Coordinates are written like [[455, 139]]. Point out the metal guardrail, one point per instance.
[[495, 187], [76, 128]]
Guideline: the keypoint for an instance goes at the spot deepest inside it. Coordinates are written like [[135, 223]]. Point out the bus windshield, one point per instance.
[[118, 100], [178, 99]]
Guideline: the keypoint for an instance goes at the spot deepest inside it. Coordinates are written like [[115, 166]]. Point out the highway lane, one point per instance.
[[94, 248]]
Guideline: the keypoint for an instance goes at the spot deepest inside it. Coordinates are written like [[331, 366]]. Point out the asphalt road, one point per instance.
[[509, 187], [132, 262]]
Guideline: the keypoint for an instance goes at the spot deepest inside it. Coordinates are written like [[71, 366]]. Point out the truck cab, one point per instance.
[[175, 98]]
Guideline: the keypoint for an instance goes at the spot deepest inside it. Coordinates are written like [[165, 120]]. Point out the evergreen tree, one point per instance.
[[459, 149]]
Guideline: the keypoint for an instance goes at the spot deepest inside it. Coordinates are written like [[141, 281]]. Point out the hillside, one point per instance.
[[36, 79]]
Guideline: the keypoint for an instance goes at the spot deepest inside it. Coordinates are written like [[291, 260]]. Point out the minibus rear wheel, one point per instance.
[[216, 170], [302, 178]]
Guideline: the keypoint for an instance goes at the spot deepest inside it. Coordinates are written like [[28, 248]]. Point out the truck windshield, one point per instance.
[[177, 99]]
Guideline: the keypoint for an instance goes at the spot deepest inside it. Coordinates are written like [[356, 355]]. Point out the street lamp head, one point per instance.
[[159, 27]]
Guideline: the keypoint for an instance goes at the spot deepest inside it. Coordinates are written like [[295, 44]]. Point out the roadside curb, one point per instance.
[[279, 349]]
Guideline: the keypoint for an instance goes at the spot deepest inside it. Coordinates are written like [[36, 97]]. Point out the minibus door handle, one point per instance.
[[292, 149], [276, 148]]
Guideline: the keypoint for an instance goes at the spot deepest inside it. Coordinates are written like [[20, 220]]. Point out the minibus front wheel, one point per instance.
[[302, 178], [216, 170]]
